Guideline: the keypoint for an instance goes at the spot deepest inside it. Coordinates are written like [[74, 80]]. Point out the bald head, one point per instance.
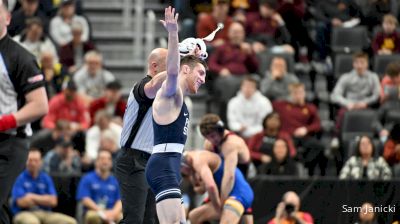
[[156, 62], [291, 197]]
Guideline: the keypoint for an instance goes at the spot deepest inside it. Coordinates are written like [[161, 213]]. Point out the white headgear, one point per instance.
[[189, 44]]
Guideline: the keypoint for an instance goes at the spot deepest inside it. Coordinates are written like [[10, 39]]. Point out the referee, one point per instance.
[[22, 100], [138, 202]]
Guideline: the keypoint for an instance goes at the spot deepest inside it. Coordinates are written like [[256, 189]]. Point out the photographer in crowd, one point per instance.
[[288, 211]]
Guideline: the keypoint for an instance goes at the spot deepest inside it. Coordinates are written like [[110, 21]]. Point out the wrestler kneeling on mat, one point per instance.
[[205, 170]]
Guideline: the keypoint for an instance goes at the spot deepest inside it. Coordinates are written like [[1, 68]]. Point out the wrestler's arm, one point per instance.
[[169, 95], [228, 179], [169, 88], [211, 187]]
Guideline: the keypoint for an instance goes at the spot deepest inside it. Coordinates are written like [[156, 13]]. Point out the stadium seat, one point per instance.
[[392, 117], [343, 63], [348, 40], [381, 61], [265, 59], [357, 123]]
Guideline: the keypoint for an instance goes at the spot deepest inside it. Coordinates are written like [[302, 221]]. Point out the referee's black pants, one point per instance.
[[13, 156], [138, 201]]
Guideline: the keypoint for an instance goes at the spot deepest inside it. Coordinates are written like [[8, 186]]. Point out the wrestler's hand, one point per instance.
[[170, 21]]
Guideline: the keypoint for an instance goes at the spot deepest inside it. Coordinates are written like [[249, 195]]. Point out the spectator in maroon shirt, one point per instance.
[[234, 57], [261, 144], [388, 40], [266, 27], [206, 23], [302, 123], [111, 102], [72, 54]]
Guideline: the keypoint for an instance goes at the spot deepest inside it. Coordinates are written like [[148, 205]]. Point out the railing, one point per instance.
[[138, 31], [127, 14], [150, 31], [143, 27]]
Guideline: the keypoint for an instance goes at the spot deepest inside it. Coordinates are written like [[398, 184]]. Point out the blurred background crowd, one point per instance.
[[312, 86]]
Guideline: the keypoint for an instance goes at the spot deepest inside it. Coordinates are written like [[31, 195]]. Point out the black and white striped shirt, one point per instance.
[[19, 75], [139, 105]]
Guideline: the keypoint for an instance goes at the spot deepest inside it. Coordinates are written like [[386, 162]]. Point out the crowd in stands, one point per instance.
[[270, 58]]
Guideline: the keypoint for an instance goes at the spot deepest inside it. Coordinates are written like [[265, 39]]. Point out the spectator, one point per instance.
[[99, 194], [364, 165], [331, 14], [29, 9], [367, 214], [275, 84], [302, 123], [390, 83], [34, 40], [288, 211], [391, 151], [390, 98], [72, 54], [34, 195], [387, 41], [92, 78], [235, 57], [281, 163], [358, 89], [63, 159], [261, 145], [206, 23], [377, 9], [93, 135], [108, 142], [54, 73], [67, 105], [60, 25], [241, 120], [45, 140], [111, 102], [294, 14], [267, 28]]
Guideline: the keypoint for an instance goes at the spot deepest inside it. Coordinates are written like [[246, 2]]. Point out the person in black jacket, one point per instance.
[[281, 163]]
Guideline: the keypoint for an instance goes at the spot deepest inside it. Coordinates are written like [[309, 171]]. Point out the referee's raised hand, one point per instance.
[[170, 21]]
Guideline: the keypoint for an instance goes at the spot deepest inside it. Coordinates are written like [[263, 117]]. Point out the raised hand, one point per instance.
[[170, 21]]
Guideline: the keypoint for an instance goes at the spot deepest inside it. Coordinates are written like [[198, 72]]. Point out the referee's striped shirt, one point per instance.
[[139, 105]]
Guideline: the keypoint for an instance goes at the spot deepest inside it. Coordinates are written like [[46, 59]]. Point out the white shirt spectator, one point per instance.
[[61, 31], [36, 48], [93, 136], [248, 113], [92, 85]]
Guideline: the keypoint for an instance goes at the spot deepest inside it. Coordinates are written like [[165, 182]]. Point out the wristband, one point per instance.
[[7, 122]]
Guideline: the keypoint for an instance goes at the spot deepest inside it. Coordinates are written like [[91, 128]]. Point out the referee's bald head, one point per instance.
[[4, 3]]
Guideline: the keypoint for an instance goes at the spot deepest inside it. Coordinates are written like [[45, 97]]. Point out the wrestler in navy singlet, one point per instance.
[[176, 132], [163, 168]]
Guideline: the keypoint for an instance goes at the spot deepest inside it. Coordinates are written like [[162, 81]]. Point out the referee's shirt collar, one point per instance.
[[3, 40]]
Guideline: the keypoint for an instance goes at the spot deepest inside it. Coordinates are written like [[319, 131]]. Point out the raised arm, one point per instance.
[[171, 24]]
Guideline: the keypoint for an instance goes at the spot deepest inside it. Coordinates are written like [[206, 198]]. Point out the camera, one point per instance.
[[289, 208]]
